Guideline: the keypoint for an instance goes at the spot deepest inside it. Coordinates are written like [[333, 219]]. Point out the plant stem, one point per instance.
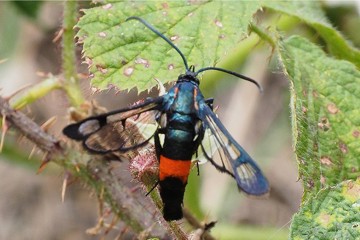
[[263, 35], [71, 82], [29, 128], [36, 92]]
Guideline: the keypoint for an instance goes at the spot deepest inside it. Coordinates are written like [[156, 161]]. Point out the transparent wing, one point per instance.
[[119, 130], [209, 144], [228, 156]]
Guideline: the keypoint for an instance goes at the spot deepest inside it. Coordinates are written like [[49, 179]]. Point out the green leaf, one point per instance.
[[128, 55], [311, 13], [332, 214], [325, 112]]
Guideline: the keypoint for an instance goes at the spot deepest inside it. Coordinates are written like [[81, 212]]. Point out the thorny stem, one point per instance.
[[29, 128], [70, 84], [71, 81]]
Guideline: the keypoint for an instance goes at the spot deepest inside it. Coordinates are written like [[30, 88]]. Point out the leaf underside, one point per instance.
[[325, 112], [332, 214]]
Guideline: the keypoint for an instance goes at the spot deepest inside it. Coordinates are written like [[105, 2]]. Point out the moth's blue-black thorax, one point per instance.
[[181, 112]]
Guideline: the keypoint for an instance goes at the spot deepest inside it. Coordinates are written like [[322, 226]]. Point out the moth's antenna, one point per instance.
[[191, 69], [231, 73], [162, 36]]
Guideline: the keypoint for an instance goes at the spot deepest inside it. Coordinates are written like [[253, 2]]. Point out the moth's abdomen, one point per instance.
[[173, 175]]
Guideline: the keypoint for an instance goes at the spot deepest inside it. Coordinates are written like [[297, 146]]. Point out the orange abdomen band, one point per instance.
[[174, 168]]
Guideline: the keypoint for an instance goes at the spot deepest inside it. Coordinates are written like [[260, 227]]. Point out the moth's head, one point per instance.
[[189, 76]]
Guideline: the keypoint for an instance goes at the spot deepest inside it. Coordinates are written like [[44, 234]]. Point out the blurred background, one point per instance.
[[30, 203]]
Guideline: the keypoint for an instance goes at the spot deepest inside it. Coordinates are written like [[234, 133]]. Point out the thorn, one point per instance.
[[32, 152], [162, 89], [122, 233], [58, 35], [46, 125], [20, 139], [112, 224], [43, 164], [64, 185], [5, 127], [96, 229]]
